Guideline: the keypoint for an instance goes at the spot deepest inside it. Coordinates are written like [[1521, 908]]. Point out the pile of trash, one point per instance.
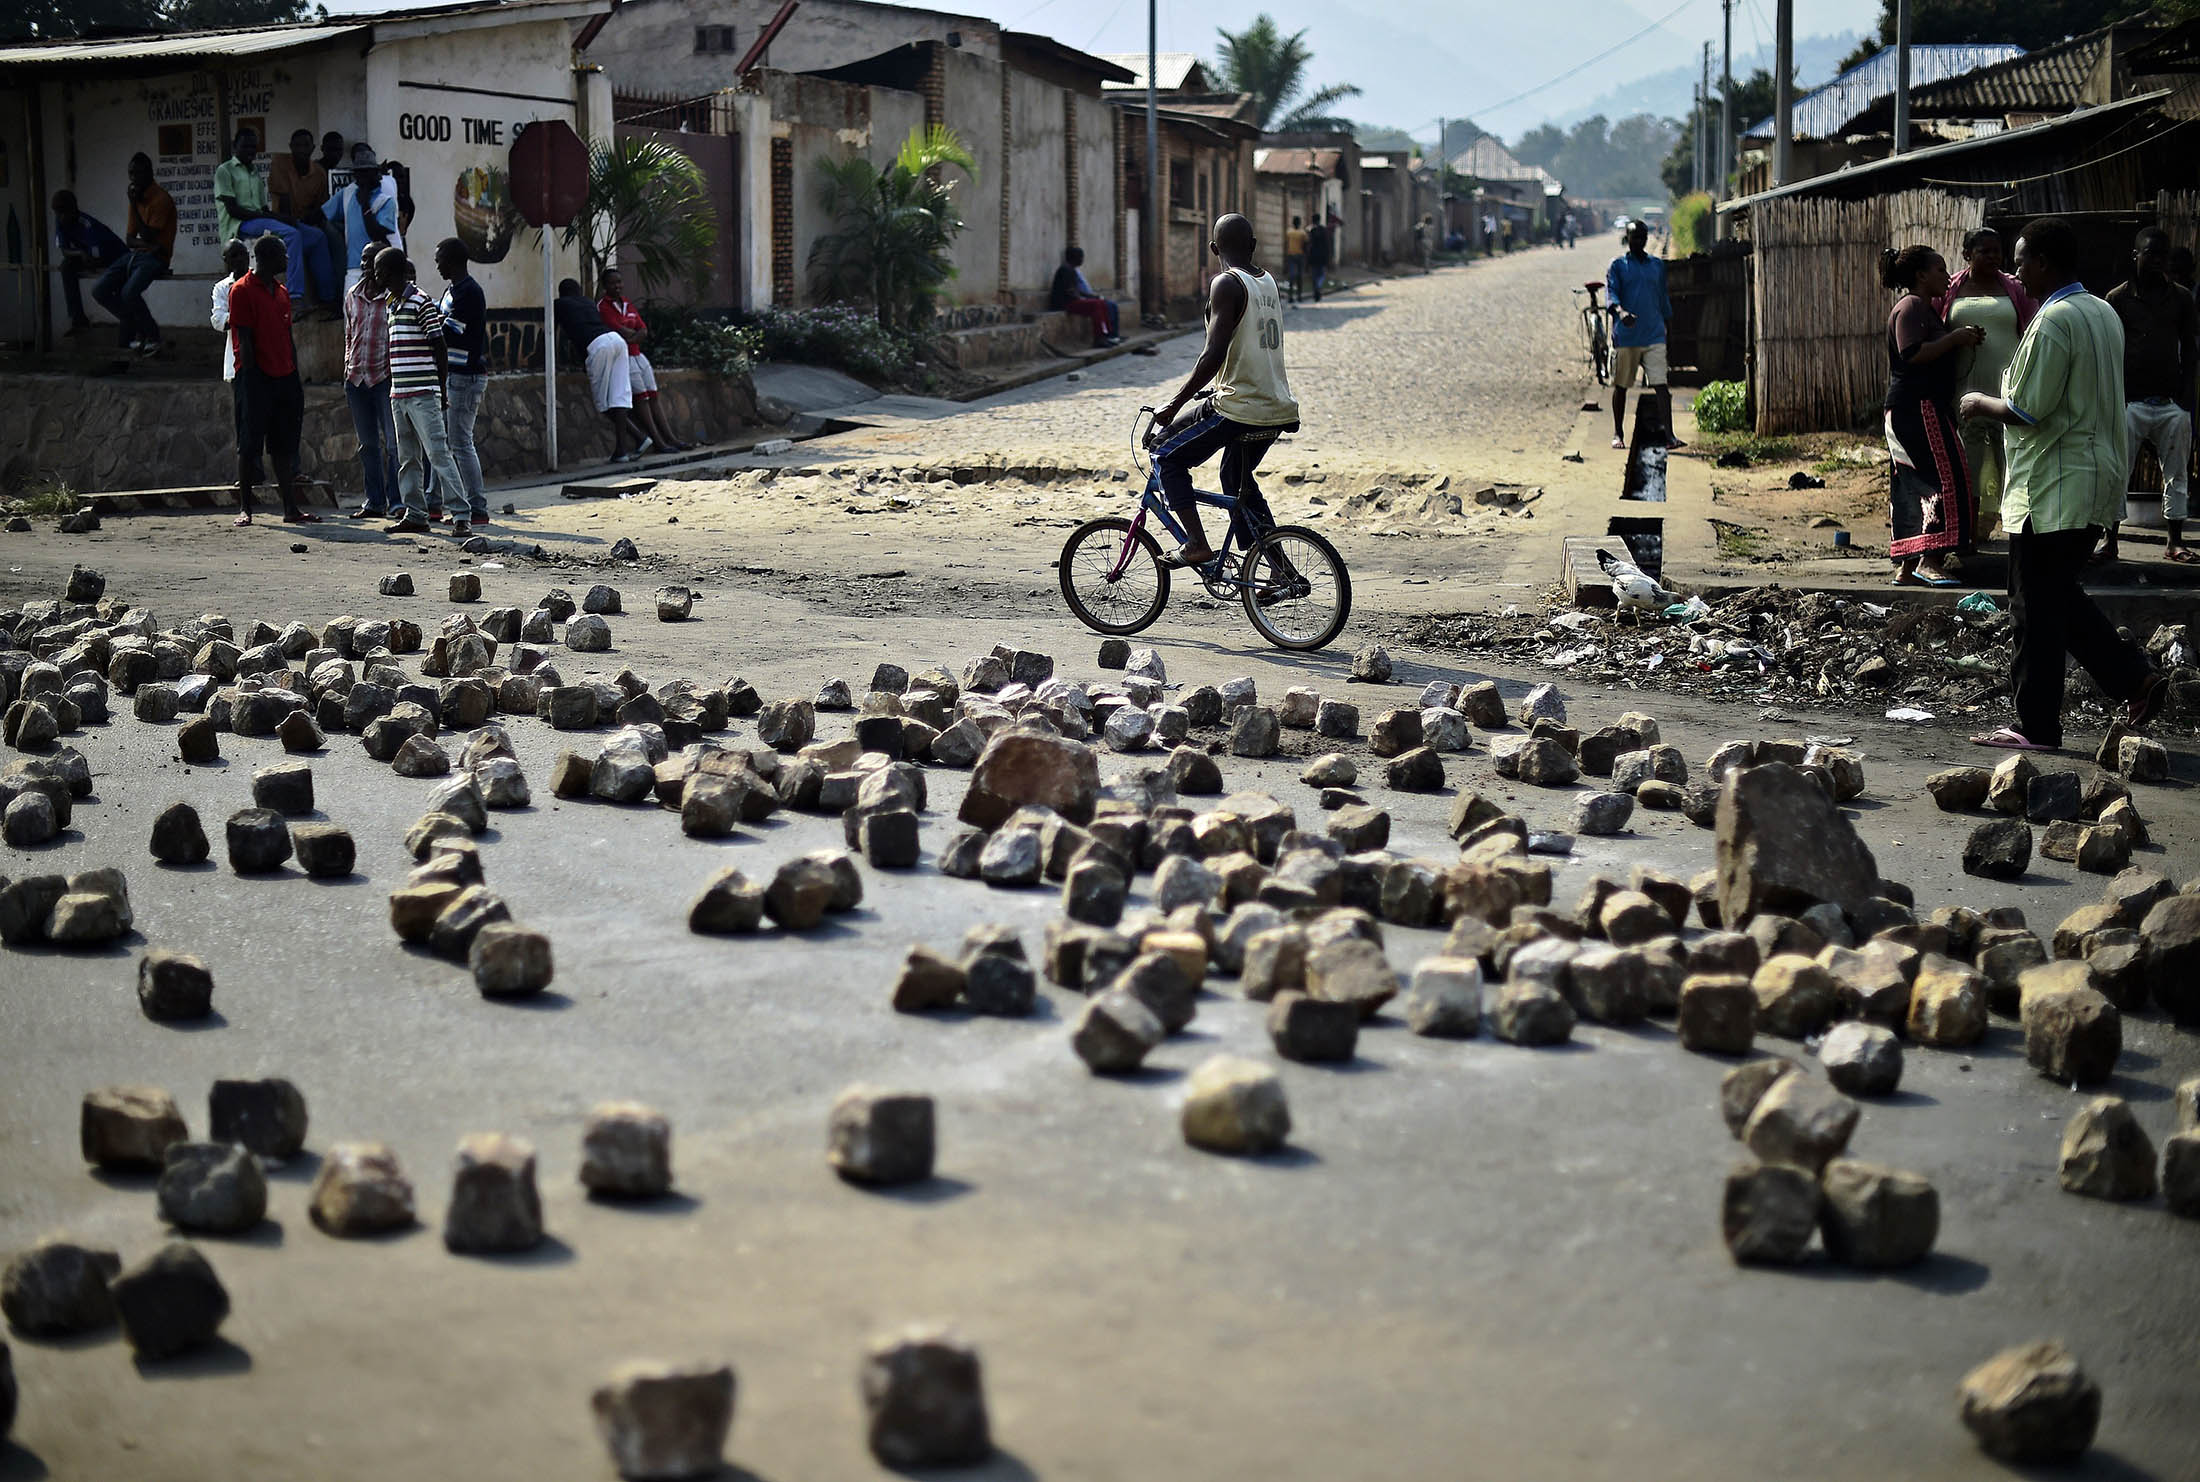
[[1774, 645]]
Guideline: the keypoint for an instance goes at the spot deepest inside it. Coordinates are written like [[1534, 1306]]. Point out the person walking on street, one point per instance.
[[1930, 510], [2160, 330], [418, 364], [1252, 403], [238, 259], [2069, 452], [267, 365], [1317, 255], [367, 387], [1982, 296], [84, 246], [466, 348], [149, 241], [1294, 259], [1634, 295]]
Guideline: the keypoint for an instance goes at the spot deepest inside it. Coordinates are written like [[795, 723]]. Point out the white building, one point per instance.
[[440, 91]]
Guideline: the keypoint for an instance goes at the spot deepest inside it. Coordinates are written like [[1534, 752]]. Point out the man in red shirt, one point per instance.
[[267, 369], [625, 320]]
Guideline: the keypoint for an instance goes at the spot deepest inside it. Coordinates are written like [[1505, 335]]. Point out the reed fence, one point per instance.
[[1818, 307]]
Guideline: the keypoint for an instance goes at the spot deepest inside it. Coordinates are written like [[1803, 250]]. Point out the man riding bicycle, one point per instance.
[[1251, 405]]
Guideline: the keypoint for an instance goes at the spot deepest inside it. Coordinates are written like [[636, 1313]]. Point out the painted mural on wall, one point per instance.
[[483, 213]]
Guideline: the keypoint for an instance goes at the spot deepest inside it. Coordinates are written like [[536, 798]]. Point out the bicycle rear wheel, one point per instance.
[[1296, 591], [1103, 599]]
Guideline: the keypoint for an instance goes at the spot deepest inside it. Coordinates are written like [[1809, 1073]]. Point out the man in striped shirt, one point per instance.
[[417, 370]]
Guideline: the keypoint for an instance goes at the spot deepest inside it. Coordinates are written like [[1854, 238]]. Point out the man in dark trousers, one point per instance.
[[267, 368], [2069, 451], [1251, 404], [1317, 254], [86, 247]]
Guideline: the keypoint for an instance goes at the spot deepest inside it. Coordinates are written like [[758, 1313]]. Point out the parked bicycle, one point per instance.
[[1292, 582], [1596, 338]]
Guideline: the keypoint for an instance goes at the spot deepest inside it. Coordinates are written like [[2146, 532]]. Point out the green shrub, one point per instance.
[[1720, 406], [703, 342], [1692, 224], [838, 336]]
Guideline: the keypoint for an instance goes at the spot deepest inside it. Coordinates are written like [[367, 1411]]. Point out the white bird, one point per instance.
[[1632, 586]]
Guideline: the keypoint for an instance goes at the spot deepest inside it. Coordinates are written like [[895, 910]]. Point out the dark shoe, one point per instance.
[[460, 529], [300, 517], [370, 512], [409, 525]]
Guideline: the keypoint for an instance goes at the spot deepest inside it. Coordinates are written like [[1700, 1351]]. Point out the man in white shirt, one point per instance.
[[236, 257]]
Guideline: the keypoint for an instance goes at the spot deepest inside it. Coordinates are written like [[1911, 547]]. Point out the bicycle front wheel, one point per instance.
[[1296, 591], [1600, 354], [1109, 588]]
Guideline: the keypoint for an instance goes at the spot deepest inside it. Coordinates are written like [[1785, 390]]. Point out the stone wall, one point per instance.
[[103, 436]]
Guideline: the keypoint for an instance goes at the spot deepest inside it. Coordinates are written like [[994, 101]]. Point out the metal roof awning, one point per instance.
[[2022, 142], [182, 47]]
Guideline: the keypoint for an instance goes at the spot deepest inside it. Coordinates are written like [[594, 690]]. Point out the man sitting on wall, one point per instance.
[[297, 189], [241, 206], [603, 351], [149, 240], [367, 210], [1071, 294], [84, 245]]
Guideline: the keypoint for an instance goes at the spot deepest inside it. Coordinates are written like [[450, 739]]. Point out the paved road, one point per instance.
[[1476, 1260]]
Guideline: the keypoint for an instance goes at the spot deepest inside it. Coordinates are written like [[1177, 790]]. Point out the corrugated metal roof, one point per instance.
[[1487, 159], [182, 45], [1823, 113], [1171, 69], [1321, 162], [2083, 123]]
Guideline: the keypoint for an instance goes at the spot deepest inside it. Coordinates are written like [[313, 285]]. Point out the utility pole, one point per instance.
[[1901, 76], [1783, 91], [1703, 123], [1150, 224], [1726, 106]]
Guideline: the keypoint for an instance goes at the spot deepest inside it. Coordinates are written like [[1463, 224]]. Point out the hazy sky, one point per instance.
[[1418, 59]]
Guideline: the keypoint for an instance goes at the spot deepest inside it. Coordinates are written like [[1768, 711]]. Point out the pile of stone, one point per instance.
[[39, 794], [1791, 647], [802, 892], [446, 906], [88, 909], [2090, 821]]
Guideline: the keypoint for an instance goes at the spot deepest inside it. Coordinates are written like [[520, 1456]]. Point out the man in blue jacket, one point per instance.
[[85, 245], [1634, 288]]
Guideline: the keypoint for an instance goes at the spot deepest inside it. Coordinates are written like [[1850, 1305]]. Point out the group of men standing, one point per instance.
[[414, 372], [1307, 253]]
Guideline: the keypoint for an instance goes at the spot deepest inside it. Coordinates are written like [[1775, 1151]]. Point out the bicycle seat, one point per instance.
[[1593, 288]]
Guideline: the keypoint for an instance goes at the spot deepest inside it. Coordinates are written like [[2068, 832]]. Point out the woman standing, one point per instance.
[[1985, 296], [1929, 496]]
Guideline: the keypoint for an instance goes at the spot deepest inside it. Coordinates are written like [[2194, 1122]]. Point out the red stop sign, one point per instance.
[[549, 168]]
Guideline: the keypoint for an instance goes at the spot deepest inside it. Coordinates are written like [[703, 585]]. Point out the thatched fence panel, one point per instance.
[[1819, 311]]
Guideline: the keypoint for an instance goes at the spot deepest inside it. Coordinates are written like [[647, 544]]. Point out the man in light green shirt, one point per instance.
[[2063, 403], [240, 201]]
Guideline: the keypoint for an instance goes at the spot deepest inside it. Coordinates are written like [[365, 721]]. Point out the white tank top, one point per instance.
[[1251, 387]]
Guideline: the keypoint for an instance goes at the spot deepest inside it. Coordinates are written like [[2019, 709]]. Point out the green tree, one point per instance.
[[1753, 99], [1541, 145], [2029, 23], [892, 227], [648, 212], [54, 20], [1261, 60]]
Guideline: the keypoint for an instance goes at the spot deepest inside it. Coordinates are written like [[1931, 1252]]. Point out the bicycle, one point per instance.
[[1292, 582], [1597, 338]]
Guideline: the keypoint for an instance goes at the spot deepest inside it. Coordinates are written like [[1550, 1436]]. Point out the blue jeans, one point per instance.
[[423, 443], [465, 393], [307, 249], [370, 419], [121, 292]]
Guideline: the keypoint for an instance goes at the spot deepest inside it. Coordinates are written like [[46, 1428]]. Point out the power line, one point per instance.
[[1584, 66]]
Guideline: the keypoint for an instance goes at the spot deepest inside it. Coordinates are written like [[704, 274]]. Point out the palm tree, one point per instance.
[[892, 227], [1261, 60], [648, 212]]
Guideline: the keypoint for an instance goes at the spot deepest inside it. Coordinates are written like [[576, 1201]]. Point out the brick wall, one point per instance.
[[783, 285]]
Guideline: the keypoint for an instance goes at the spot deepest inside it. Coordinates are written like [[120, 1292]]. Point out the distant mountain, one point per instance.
[[1667, 94]]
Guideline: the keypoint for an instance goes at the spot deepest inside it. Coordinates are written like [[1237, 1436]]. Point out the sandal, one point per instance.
[[301, 517], [2183, 555], [2008, 738], [2147, 704], [242, 520]]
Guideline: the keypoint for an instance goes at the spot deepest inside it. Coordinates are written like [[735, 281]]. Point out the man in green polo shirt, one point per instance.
[[240, 204], [2063, 403]]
